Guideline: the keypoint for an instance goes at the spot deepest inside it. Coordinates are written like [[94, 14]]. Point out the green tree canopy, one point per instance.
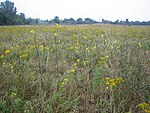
[[7, 13]]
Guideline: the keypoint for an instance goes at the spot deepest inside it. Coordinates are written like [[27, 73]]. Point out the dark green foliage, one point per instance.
[[7, 13], [9, 16]]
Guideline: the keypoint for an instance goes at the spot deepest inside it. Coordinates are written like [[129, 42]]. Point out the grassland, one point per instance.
[[75, 69]]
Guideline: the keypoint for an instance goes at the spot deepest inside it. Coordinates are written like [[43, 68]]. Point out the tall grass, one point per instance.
[[74, 69]]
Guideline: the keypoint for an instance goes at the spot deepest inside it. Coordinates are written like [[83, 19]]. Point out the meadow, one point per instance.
[[75, 69]]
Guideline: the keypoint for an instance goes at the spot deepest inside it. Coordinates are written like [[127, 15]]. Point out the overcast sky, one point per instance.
[[94, 9]]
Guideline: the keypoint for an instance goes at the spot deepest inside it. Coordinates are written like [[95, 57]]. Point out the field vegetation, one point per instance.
[[75, 69]]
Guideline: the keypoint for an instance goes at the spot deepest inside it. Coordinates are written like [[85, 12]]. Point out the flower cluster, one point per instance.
[[145, 107], [113, 82], [71, 71], [23, 55], [103, 59], [7, 51], [58, 26]]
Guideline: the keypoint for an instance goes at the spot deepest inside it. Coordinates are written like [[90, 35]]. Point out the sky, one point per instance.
[[95, 9]]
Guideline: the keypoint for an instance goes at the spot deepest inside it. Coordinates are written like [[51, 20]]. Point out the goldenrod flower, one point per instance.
[[104, 58], [2, 56], [113, 81], [40, 34], [23, 55], [84, 63], [7, 51], [75, 64], [145, 107], [32, 31], [119, 80], [41, 47], [57, 25], [107, 78], [71, 71], [101, 62], [55, 34], [78, 60]]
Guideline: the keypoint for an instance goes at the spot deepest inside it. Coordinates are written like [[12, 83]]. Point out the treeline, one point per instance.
[[126, 22], [9, 16], [91, 21], [72, 21]]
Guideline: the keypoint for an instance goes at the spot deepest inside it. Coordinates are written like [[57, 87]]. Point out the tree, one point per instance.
[[116, 22], [79, 21], [127, 21], [69, 21], [30, 21], [56, 20], [87, 21], [8, 13], [20, 19], [2, 18]]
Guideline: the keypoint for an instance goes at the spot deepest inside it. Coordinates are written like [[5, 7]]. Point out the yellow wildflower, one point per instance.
[[87, 49], [101, 62], [55, 34], [2, 56], [7, 51], [113, 81], [84, 63], [78, 60], [104, 58], [145, 107], [32, 31], [75, 64], [57, 25], [71, 71], [23, 55], [119, 80], [40, 34], [107, 78], [41, 47]]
